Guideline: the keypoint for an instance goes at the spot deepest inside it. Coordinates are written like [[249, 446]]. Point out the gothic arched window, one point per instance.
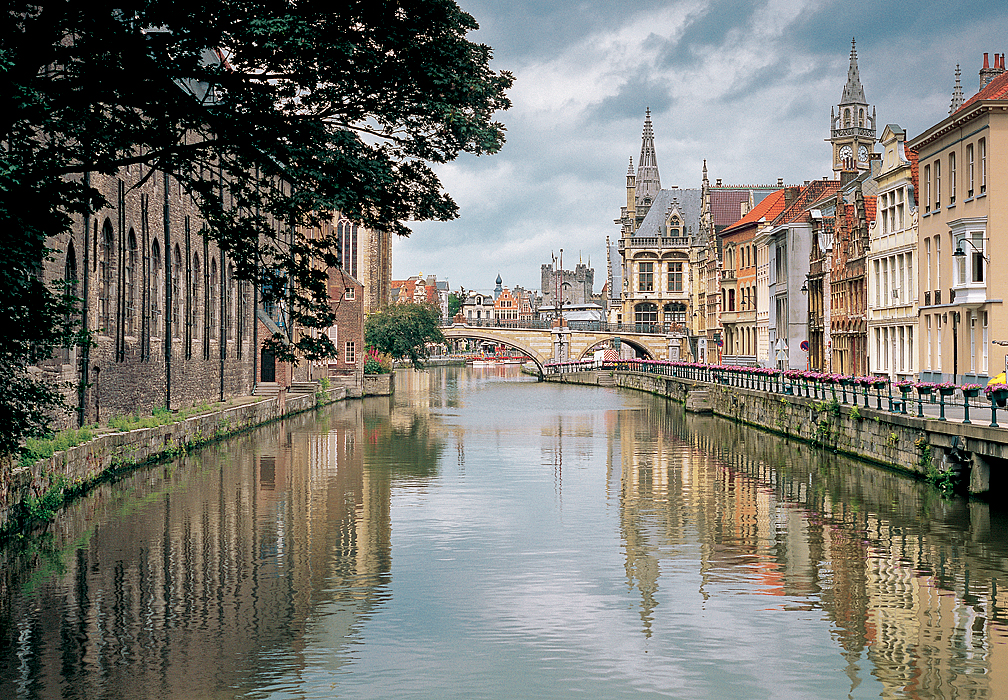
[[131, 260], [212, 299], [105, 265], [155, 293], [194, 297], [846, 117]]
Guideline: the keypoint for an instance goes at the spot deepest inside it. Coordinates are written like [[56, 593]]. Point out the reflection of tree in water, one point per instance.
[[208, 572]]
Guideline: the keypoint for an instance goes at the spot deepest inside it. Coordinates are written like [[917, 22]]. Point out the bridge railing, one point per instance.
[[835, 389], [583, 326]]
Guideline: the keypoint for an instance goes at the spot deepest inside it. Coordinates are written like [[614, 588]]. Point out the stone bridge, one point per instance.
[[565, 344]]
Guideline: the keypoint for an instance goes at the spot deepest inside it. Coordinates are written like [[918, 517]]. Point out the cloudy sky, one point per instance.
[[745, 84]]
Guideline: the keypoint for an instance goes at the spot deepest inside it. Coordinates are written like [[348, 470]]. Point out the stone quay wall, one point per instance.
[[916, 446], [49, 480]]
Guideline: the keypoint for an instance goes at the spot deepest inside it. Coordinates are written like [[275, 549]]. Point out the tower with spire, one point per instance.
[[648, 180], [852, 127]]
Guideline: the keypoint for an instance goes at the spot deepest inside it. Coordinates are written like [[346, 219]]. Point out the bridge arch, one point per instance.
[[643, 351], [458, 332]]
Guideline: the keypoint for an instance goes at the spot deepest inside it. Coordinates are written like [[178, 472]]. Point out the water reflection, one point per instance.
[[483, 535], [909, 582]]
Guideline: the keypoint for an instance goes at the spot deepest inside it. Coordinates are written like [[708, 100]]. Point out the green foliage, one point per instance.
[[402, 331], [313, 112], [855, 413], [454, 304], [942, 480], [35, 449]]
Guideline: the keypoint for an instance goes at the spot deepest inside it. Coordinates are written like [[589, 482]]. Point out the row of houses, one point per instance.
[[881, 268]]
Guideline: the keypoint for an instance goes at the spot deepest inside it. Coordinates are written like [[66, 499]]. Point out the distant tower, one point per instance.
[[498, 289], [957, 93], [852, 128]]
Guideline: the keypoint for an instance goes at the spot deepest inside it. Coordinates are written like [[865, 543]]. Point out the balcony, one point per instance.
[[727, 275], [970, 295], [654, 242]]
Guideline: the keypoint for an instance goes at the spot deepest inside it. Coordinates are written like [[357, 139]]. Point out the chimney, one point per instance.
[[807, 183], [790, 194], [780, 182], [717, 183], [988, 73]]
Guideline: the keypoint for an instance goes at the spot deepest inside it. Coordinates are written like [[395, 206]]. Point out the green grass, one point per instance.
[[42, 448]]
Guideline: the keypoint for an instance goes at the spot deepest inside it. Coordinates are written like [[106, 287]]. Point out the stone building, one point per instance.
[[367, 256], [570, 286]]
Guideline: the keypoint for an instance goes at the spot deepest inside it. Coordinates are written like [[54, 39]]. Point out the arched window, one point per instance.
[[70, 290], [230, 301], [846, 117], [131, 259], [155, 292], [646, 316], [194, 297], [212, 299], [176, 293], [860, 119], [105, 265]]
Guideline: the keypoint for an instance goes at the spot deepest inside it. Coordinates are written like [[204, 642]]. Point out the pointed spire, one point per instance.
[[648, 181], [630, 169], [853, 93], [957, 92], [705, 170]]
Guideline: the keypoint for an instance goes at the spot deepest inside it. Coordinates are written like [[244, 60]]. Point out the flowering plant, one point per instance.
[[946, 387], [991, 388], [925, 387], [970, 387], [376, 363], [905, 384]]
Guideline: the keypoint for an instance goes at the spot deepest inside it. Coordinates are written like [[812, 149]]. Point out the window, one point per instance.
[[927, 250], [846, 118], [972, 333], [675, 277], [350, 353], [645, 277], [646, 314], [952, 178], [131, 260], [333, 334], [194, 296], [977, 257], [105, 279], [176, 292], [959, 264], [982, 147], [155, 293], [969, 170], [927, 188], [929, 344], [938, 280], [984, 343], [937, 184], [878, 283], [212, 300], [349, 293]]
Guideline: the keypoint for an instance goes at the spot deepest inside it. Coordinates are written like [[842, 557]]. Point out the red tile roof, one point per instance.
[[810, 193], [997, 89], [770, 207]]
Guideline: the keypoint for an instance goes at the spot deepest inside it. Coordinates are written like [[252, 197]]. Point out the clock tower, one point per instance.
[[852, 128]]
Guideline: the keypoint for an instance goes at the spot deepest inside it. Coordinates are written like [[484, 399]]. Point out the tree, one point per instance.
[[270, 116], [403, 331], [454, 304]]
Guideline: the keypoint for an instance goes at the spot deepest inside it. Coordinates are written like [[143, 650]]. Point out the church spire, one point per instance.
[[853, 93], [648, 181], [957, 92]]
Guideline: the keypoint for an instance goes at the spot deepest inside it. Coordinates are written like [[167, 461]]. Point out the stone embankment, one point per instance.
[[31, 492], [973, 456]]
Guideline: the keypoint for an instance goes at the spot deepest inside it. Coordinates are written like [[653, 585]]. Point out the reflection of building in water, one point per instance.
[[232, 555], [914, 607]]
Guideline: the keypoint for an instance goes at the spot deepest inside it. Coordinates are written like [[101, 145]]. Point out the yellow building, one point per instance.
[[963, 223]]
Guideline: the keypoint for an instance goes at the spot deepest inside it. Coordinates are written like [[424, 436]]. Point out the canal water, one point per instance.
[[482, 535]]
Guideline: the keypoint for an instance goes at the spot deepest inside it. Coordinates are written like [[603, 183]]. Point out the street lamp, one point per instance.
[[960, 253]]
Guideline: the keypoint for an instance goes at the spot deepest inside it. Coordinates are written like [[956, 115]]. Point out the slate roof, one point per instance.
[[687, 201]]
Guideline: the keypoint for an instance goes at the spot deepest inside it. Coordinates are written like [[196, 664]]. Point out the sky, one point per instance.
[[746, 85]]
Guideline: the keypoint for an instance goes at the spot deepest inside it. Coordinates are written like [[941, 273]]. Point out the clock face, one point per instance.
[[846, 152], [862, 154]]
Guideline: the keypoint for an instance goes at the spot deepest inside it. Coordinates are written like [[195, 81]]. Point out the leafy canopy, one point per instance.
[[270, 115], [404, 330]]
